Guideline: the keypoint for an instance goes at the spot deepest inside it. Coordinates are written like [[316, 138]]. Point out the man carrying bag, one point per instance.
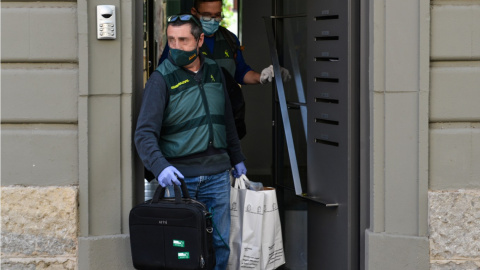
[[186, 130]]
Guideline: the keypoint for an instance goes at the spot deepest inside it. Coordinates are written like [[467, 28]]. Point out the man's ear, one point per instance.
[[193, 11], [200, 40]]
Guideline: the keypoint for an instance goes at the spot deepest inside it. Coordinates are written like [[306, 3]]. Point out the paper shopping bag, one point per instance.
[[237, 200], [246, 213], [251, 251], [272, 243]]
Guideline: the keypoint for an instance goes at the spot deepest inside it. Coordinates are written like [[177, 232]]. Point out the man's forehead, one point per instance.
[[183, 30], [210, 7]]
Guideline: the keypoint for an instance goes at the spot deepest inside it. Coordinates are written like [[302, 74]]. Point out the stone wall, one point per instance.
[[39, 227], [455, 229], [454, 144], [66, 122]]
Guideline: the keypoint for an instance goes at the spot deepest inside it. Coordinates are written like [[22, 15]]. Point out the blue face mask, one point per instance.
[[209, 27]]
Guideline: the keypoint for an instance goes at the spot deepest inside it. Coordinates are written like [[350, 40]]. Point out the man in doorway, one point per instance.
[[224, 47], [185, 127]]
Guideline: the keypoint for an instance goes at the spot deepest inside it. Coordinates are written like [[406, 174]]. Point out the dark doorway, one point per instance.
[[321, 225]]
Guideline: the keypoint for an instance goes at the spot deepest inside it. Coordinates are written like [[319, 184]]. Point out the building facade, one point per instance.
[[68, 106]]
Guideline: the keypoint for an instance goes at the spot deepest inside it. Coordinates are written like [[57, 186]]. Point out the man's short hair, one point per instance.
[[197, 3], [195, 26]]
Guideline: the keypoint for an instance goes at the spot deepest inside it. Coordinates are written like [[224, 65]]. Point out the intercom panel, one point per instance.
[[106, 24]]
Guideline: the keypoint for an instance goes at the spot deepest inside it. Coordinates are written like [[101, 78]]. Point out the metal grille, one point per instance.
[[332, 140]]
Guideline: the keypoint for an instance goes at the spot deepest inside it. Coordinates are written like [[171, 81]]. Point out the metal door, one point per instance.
[[333, 133], [332, 126]]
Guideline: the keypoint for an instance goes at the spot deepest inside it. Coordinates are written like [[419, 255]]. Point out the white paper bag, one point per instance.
[[255, 232], [272, 243], [237, 200], [250, 255]]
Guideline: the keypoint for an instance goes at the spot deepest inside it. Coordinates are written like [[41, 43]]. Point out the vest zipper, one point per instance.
[[207, 110], [202, 262]]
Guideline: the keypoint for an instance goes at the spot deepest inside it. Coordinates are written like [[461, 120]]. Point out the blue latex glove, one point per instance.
[[239, 169], [168, 176]]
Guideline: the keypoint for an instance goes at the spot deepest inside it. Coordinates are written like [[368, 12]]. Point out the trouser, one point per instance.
[[214, 192]]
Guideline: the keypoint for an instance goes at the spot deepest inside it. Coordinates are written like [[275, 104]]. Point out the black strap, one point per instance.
[[160, 192], [238, 103]]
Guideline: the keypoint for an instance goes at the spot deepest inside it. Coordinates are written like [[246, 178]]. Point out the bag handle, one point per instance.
[[240, 182], [160, 192]]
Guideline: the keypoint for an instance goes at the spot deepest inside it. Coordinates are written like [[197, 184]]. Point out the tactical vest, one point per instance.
[[195, 115], [222, 53]]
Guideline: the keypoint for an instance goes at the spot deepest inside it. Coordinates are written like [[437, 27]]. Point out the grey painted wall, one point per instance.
[[454, 134], [455, 91], [39, 94]]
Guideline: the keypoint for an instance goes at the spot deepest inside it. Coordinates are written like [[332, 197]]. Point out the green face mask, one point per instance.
[[183, 58]]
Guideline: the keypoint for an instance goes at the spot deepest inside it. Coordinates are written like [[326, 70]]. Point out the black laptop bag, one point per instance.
[[171, 233]]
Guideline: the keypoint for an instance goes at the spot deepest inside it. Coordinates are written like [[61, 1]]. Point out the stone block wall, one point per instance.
[[66, 124], [454, 145], [39, 122], [39, 227], [455, 229]]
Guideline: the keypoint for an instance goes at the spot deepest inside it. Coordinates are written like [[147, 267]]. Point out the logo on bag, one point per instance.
[[234, 206], [183, 255], [162, 222], [178, 243], [249, 209], [273, 209]]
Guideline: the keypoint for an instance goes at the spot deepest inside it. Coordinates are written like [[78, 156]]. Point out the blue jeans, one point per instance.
[[214, 192]]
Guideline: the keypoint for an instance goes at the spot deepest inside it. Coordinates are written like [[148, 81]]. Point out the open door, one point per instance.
[[326, 59]]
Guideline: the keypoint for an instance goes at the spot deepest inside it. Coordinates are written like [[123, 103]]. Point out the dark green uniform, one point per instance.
[[190, 126]]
